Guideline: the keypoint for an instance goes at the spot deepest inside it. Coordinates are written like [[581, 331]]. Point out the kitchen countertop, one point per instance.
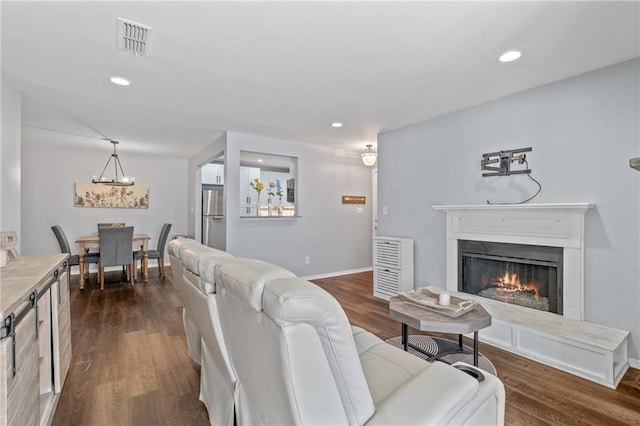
[[22, 276]]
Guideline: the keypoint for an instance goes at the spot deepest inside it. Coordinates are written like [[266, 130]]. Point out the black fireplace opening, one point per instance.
[[521, 274]]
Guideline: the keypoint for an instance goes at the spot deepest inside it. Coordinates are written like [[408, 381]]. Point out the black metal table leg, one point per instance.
[[405, 337], [460, 345], [475, 348]]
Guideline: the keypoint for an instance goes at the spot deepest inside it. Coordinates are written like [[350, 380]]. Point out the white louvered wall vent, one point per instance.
[[392, 266], [133, 37]]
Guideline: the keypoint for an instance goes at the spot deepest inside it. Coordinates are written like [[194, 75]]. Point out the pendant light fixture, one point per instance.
[[369, 157], [120, 179]]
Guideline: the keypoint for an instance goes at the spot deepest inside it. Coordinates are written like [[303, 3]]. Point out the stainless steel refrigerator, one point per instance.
[[213, 230]]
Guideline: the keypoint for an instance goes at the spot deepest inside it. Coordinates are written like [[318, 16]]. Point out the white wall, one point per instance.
[[583, 131], [10, 158], [333, 235], [48, 178]]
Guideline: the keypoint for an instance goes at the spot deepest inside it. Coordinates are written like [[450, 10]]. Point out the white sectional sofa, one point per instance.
[[279, 350], [195, 265], [174, 249]]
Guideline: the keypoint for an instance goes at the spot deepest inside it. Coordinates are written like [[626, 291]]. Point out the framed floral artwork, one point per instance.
[[107, 196]]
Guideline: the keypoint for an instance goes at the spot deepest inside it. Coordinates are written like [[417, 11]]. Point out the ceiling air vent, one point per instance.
[[133, 37]]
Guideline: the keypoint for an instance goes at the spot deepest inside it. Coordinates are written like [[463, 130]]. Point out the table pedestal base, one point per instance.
[[460, 349]]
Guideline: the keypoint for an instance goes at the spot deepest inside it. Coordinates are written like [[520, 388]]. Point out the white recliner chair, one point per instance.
[[298, 361], [217, 379], [175, 248]]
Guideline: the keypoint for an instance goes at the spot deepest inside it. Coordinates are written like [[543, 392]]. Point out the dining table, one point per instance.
[[89, 243]]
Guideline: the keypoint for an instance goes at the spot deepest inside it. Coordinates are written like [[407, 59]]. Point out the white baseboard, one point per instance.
[[634, 363], [337, 274]]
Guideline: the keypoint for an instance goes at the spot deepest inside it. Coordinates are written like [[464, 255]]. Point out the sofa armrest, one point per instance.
[[442, 395]]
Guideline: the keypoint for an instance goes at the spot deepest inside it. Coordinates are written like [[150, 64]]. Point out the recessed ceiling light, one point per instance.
[[259, 160], [120, 81], [336, 124], [510, 56]]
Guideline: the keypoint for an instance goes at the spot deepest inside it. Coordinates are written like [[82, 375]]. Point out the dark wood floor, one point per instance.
[[130, 363]]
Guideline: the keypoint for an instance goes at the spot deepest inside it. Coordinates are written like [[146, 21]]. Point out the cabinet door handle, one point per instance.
[[60, 289]]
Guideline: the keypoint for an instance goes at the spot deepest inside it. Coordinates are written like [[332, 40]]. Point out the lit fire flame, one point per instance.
[[511, 282]]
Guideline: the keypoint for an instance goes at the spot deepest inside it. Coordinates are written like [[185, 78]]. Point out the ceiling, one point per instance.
[[287, 70]]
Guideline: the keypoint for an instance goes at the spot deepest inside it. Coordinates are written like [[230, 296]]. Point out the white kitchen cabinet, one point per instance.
[[45, 338], [248, 195], [392, 266], [19, 395], [61, 330], [35, 338], [213, 174]]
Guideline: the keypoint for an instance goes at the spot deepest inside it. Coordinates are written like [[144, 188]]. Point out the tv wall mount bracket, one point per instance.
[[503, 161]]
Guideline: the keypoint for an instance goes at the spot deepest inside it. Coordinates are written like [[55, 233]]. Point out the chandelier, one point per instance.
[[369, 157], [120, 179]]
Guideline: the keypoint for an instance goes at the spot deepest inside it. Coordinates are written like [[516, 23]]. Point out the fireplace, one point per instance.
[[563, 340], [520, 274], [548, 225]]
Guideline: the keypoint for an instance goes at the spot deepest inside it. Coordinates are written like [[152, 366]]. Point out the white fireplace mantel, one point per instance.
[[555, 225], [593, 351]]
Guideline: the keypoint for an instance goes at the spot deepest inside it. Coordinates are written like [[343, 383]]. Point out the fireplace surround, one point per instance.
[[567, 342], [551, 225]]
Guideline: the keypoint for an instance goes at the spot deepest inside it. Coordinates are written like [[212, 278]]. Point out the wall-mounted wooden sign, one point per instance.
[[354, 199]]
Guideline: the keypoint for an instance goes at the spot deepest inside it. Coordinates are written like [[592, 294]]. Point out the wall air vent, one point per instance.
[[133, 37]]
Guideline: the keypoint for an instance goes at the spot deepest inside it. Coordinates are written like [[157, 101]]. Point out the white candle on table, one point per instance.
[[444, 299]]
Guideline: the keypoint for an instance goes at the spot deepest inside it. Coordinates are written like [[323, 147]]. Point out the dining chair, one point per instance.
[[158, 253], [116, 248], [74, 259], [111, 225]]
